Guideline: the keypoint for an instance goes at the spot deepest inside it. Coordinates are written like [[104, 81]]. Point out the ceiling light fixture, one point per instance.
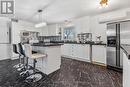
[[104, 3], [42, 24]]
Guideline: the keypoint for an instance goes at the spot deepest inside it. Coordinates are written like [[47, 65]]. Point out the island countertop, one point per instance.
[[47, 44], [89, 43]]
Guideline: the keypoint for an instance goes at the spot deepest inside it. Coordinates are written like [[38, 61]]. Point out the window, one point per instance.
[[69, 33]]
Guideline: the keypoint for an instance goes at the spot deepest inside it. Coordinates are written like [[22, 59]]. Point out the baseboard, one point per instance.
[[97, 63], [115, 68]]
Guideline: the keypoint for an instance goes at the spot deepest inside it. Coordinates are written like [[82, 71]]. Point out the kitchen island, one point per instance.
[[52, 61]]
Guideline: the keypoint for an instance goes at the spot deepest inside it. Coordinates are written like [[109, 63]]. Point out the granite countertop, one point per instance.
[[126, 49], [89, 43], [47, 44]]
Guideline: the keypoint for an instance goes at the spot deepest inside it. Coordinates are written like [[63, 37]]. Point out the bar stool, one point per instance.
[[25, 70], [22, 53], [36, 76], [16, 51]]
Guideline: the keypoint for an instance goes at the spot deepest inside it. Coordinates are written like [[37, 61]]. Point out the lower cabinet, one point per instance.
[[66, 49], [82, 52], [76, 51], [99, 54]]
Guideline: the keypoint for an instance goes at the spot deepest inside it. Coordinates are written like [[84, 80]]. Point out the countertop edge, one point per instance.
[[85, 43], [48, 45]]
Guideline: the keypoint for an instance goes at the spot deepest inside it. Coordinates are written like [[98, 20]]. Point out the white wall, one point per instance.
[[97, 29]]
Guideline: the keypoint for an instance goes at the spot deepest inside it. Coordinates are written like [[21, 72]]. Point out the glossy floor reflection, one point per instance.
[[72, 74]]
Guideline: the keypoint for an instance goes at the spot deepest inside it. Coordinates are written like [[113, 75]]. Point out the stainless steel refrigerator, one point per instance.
[[114, 51]]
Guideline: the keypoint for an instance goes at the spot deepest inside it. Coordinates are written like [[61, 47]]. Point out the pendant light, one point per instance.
[[42, 23]]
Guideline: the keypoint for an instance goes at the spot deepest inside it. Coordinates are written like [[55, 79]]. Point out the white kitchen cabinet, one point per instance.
[[51, 30], [66, 49], [99, 54], [76, 51], [81, 51]]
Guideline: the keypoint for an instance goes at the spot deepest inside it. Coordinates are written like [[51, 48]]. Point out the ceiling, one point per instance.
[[59, 10]]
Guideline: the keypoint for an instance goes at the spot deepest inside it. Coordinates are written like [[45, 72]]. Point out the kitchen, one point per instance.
[[70, 45]]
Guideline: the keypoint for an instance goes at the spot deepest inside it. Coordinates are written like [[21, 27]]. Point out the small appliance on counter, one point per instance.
[[84, 37]]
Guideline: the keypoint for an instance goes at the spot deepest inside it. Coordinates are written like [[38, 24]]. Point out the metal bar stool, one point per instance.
[[16, 51], [36, 76]]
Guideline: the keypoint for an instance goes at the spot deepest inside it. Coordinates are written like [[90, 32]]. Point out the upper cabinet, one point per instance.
[[52, 30]]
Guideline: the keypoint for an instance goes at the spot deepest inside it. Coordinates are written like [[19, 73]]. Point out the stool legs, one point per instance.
[[36, 76]]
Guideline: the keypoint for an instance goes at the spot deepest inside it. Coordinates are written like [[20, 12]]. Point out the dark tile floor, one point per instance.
[[72, 74]]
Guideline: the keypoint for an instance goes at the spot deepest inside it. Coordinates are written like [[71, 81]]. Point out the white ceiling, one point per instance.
[[60, 10]]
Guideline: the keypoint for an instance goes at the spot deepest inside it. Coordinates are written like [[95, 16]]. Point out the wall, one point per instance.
[[97, 29]]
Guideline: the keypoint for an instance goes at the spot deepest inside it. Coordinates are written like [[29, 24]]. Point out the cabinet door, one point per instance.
[[86, 52], [66, 50], [99, 54], [81, 51], [77, 51]]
